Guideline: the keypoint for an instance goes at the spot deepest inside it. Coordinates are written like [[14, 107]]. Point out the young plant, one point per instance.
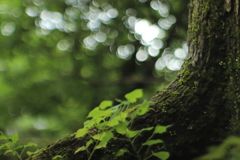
[[108, 120], [9, 145]]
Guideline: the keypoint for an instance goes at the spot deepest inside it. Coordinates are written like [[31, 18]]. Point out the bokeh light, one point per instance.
[[7, 28]]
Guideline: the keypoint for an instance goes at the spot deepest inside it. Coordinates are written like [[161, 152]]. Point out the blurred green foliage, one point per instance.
[[61, 58]]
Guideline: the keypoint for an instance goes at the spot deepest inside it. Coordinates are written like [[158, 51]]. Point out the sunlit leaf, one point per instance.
[[96, 112], [89, 143], [161, 155], [134, 95], [56, 157], [121, 128], [80, 149], [147, 129], [152, 142], [117, 118], [160, 129], [143, 108], [121, 152], [81, 132], [99, 136], [131, 134], [113, 122], [104, 140], [105, 104]]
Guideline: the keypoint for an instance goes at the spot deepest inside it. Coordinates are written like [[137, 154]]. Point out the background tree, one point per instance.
[[62, 58]]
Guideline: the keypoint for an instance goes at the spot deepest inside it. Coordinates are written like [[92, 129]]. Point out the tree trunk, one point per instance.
[[201, 104]]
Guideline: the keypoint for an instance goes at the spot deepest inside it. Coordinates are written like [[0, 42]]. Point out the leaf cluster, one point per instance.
[[9, 145], [107, 121]]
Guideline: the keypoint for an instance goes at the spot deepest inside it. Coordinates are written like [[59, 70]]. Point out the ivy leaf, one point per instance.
[[121, 152], [161, 155], [104, 140], [134, 95], [105, 104], [152, 142], [113, 122], [99, 136], [81, 132], [143, 108], [96, 112], [131, 134], [160, 129], [92, 122], [121, 128]]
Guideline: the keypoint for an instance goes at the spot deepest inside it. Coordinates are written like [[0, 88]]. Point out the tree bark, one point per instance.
[[201, 104]]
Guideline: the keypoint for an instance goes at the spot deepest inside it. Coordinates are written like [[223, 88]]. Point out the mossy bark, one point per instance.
[[201, 104]]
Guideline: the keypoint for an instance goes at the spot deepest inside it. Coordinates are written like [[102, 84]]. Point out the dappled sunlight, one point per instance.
[[7, 28], [173, 60], [60, 59]]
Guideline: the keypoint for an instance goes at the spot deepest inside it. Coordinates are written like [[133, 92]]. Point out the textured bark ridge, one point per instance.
[[201, 104]]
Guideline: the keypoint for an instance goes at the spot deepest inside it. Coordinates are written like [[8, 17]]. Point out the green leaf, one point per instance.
[[99, 136], [30, 144], [147, 129], [152, 142], [89, 143], [14, 138], [83, 148], [118, 100], [17, 147], [80, 149], [10, 151], [105, 104], [29, 153], [81, 132], [117, 118], [96, 112], [121, 128], [143, 108], [161, 155], [104, 140], [93, 122], [56, 157], [131, 134], [2, 136], [125, 103], [121, 152], [160, 129], [132, 96], [113, 122]]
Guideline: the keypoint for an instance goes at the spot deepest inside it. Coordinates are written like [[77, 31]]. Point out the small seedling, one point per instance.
[[9, 145]]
